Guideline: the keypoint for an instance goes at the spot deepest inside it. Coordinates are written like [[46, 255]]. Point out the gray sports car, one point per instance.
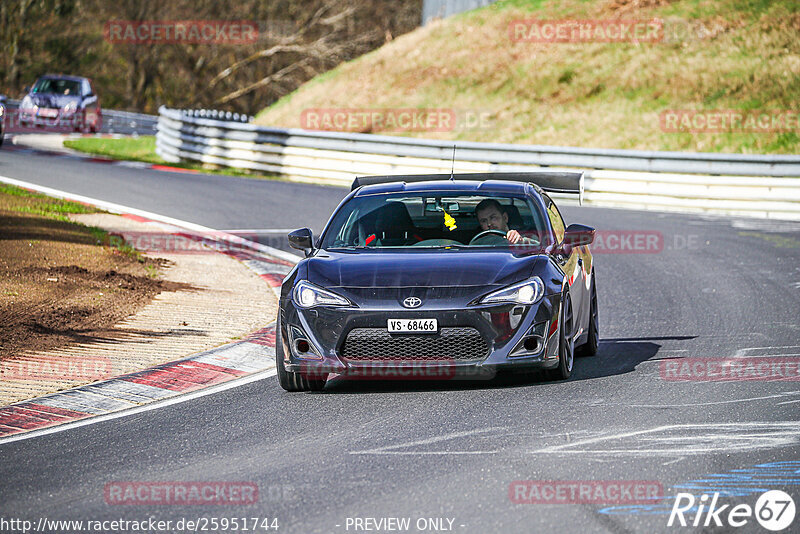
[[427, 275]]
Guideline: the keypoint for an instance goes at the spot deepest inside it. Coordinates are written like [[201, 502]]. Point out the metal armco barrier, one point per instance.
[[733, 184], [124, 121]]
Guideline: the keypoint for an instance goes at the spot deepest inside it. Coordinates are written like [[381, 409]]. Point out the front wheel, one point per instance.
[[291, 381], [566, 343]]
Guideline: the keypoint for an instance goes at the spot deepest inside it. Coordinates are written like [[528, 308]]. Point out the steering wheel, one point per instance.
[[490, 233]]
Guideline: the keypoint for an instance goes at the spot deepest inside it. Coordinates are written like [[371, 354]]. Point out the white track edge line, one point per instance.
[[118, 208], [177, 399]]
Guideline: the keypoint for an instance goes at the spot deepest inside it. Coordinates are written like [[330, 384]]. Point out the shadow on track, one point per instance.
[[614, 357]]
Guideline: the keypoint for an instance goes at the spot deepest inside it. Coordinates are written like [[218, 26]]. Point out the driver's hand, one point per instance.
[[513, 237]]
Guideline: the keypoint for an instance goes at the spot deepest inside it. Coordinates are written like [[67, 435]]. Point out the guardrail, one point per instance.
[[733, 184], [123, 121]]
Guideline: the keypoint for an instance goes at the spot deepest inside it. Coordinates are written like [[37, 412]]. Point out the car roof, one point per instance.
[[64, 77], [460, 186]]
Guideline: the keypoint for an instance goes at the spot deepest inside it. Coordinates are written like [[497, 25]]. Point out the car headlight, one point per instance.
[[307, 295], [27, 103], [527, 292], [71, 106]]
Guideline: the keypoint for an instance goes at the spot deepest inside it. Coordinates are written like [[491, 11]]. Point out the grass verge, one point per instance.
[[714, 55], [143, 148], [61, 281]]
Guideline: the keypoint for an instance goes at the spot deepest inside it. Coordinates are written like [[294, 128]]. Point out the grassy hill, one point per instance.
[[715, 55]]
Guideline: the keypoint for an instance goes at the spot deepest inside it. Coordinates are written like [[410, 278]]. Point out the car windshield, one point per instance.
[[435, 220], [57, 86]]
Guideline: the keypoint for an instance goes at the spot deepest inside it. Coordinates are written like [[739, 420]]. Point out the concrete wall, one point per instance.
[[444, 8]]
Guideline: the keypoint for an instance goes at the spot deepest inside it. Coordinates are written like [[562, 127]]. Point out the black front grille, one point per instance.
[[450, 344]]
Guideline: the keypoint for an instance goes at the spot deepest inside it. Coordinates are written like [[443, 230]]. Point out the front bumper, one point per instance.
[[51, 117], [472, 341]]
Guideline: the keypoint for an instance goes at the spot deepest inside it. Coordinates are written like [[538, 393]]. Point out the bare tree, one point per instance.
[[297, 40]]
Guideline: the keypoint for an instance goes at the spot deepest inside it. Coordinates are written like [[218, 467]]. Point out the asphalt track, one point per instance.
[[716, 288]]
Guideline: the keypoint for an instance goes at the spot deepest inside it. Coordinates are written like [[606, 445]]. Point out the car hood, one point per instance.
[[53, 100], [440, 268]]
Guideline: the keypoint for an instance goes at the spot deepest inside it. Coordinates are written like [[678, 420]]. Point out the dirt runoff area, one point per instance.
[[57, 285], [68, 297]]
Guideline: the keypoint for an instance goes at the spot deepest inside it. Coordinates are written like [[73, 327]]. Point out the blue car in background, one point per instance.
[[61, 101]]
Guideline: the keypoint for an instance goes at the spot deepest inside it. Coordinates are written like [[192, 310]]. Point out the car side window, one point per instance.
[[87, 90], [555, 220]]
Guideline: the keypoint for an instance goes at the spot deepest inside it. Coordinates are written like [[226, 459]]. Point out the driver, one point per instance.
[[491, 216]]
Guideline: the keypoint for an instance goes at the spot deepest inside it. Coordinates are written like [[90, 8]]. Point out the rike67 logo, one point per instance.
[[774, 510]]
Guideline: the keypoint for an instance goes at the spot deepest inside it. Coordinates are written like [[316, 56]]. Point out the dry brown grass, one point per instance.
[[717, 55]]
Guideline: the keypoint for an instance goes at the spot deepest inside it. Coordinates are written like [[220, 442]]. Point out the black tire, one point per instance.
[[593, 338], [566, 345], [291, 381]]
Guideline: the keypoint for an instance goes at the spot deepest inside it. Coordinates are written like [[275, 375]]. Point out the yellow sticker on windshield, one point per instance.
[[449, 221]]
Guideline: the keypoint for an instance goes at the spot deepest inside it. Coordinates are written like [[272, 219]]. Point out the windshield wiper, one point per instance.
[[351, 247], [409, 247], [451, 245]]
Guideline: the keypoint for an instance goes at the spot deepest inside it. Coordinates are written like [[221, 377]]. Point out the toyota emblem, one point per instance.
[[412, 302]]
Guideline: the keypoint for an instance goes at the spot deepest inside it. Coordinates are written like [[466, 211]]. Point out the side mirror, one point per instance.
[[578, 234], [301, 239], [27, 88]]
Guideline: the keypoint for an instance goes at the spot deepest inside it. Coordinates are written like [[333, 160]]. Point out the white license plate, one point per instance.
[[416, 326], [46, 112]]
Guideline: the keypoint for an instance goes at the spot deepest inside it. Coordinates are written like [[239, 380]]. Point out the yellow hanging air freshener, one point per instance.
[[449, 221]]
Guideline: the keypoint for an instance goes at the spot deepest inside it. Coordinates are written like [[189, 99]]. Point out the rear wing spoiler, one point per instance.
[[565, 183]]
